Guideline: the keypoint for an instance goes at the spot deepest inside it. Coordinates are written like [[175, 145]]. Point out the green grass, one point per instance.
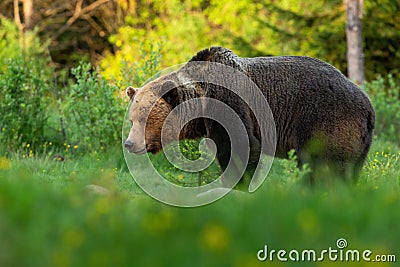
[[49, 218]]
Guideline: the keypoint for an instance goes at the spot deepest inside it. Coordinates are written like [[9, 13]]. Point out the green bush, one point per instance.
[[92, 110], [24, 90], [385, 96], [190, 150], [23, 105], [16, 45], [125, 70]]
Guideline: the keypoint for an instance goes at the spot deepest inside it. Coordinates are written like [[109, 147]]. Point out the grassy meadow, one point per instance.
[[50, 217]]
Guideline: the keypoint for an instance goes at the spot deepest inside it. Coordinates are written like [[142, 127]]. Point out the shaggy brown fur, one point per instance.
[[318, 112]]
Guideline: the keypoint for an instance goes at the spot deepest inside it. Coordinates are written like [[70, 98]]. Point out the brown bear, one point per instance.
[[318, 112]]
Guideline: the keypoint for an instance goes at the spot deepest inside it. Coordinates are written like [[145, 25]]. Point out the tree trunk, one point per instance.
[[17, 18], [28, 12], [355, 56]]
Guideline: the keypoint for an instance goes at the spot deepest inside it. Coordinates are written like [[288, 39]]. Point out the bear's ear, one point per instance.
[[130, 92], [169, 89]]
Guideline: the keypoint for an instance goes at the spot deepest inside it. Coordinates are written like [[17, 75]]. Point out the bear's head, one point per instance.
[[150, 107]]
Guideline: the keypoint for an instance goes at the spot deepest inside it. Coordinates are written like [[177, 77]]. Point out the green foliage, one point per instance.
[[382, 166], [292, 27], [9, 42], [293, 175], [24, 90], [385, 96], [23, 105], [16, 45], [310, 28], [40, 117], [381, 31], [130, 69], [190, 150], [92, 110], [47, 203]]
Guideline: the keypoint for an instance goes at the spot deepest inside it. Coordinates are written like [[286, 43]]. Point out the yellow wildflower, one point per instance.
[[4, 163]]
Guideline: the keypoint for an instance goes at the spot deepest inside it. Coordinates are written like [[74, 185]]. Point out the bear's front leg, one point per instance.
[[243, 157]]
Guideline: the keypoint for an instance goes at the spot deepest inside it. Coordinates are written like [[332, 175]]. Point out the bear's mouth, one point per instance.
[[143, 151], [139, 152]]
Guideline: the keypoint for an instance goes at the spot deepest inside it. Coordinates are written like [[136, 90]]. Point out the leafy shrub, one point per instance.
[[125, 70], [381, 168], [25, 46], [293, 175], [9, 42], [24, 89], [23, 105], [92, 110], [190, 150], [385, 96]]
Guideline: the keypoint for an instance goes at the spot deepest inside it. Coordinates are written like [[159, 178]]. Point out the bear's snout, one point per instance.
[[130, 146]]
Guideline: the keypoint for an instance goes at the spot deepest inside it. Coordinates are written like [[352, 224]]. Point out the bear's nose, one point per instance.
[[128, 144]]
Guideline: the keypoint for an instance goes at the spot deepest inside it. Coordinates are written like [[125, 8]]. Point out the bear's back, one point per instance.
[[290, 81]]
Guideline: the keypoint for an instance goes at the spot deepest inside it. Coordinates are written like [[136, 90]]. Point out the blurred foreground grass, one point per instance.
[[49, 218]]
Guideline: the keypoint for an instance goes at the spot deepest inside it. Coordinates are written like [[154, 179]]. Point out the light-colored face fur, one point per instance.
[[147, 115]]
